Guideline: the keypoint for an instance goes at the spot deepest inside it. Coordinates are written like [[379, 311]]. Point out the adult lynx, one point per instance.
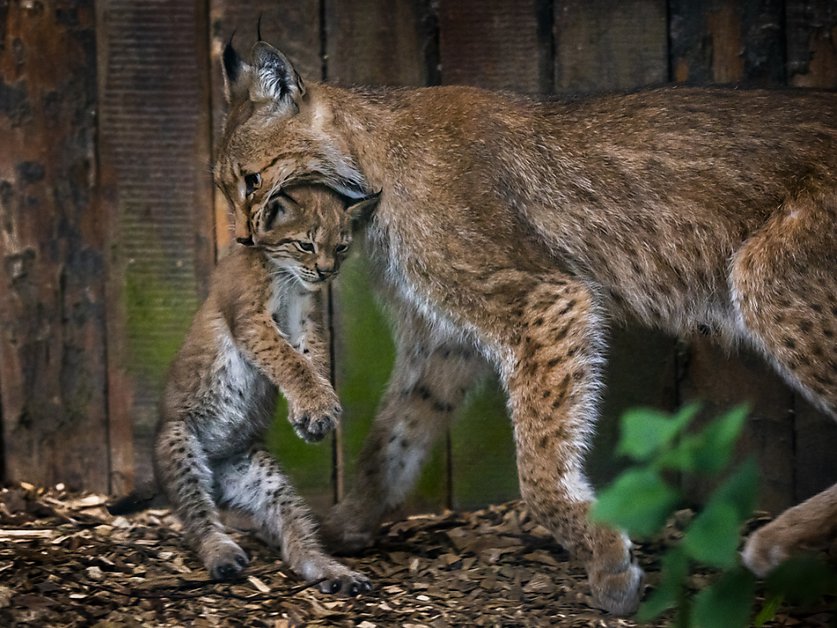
[[510, 229], [259, 329]]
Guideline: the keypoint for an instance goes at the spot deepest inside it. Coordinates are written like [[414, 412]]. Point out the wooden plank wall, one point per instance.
[[100, 282], [52, 305]]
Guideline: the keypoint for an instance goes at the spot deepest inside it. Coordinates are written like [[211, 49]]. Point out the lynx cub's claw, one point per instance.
[[223, 558], [312, 421], [346, 582]]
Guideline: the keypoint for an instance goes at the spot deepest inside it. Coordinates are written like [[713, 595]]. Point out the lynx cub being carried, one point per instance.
[[259, 329]]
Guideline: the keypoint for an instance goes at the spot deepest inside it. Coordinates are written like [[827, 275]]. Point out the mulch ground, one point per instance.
[[65, 562]]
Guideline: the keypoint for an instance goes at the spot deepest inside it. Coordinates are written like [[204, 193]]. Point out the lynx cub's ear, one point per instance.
[[362, 209]]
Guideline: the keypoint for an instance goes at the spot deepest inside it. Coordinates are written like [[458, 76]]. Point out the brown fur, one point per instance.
[[259, 330], [509, 229]]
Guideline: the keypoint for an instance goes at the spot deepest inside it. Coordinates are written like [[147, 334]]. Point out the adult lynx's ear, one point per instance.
[[274, 78], [237, 75], [270, 79]]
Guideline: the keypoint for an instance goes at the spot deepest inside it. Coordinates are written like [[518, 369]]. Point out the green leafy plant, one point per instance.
[[641, 499]]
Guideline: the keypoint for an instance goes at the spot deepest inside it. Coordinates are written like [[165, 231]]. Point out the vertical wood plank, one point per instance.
[[610, 44], [727, 41], [724, 41], [380, 42], [812, 62], [375, 42], [605, 45], [811, 37], [720, 382], [52, 345], [154, 145], [497, 44], [295, 28]]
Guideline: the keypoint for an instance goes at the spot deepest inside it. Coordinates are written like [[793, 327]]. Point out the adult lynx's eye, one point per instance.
[[252, 182]]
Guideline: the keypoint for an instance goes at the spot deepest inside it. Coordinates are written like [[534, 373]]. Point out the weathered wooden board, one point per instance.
[[154, 146], [296, 29], [292, 26], [727, 41], [498, 44], [380, 42], [52, 341], [376, 43], [720, 383], [811, 27], [812, 62], [610, 44], [606, 45]]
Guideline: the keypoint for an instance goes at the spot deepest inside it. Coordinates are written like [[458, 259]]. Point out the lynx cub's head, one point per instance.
[[276, 134], [307, 230]]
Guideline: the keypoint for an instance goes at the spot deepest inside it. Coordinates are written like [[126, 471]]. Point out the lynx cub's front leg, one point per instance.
[[313, 406], [254, 484]]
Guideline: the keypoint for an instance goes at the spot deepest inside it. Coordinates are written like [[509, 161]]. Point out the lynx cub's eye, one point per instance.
[[305, 247], [342, 248], [252, 182]]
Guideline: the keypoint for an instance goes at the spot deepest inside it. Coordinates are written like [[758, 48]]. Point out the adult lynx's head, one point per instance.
[[307, 230], [275, 135]]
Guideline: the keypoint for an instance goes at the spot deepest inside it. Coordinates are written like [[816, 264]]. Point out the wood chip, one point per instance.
[[66, 562]]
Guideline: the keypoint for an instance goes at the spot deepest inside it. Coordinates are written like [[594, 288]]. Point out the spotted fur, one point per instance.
[[260, 329], [511, 230]]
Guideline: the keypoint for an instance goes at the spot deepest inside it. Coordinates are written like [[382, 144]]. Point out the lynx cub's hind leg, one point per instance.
[[431, 377], [185, 476], [784, 282], [254, 484]]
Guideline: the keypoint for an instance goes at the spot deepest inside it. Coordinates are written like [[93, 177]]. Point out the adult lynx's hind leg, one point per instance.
[[255, 484], [784, 283], [188, 482], [429, 381]]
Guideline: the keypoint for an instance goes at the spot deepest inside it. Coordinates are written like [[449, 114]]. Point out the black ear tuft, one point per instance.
[[232, 61], [259, 28], [277, 80]]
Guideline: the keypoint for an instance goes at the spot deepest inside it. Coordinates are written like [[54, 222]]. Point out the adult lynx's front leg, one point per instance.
[[431, 377]]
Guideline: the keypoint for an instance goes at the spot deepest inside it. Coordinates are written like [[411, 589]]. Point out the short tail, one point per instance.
[[141, 498]]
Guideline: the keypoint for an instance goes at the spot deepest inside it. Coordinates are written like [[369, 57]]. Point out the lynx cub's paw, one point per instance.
[[316, 415], [222, 557], [342, 580]]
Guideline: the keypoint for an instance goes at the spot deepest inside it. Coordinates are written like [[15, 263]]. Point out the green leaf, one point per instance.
[[645, 432], [710, 450], [674, 569], [740, 489], [638, 501], [713, 536], [768, 611], [803, 579], [727, 603]]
